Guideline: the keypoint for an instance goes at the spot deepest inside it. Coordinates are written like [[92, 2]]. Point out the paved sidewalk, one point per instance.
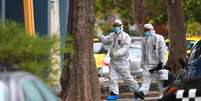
[[132, 99], [127, 95], [122, 100]]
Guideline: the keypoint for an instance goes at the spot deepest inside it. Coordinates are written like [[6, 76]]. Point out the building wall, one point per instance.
[[2, 9], [14, 10], [41, 16]]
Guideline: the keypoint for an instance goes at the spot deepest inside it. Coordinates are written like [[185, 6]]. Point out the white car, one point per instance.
[[136, 40], [135, 54], [23, 86]]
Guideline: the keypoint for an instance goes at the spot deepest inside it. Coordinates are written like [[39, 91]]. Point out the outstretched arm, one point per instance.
[[104, 39]]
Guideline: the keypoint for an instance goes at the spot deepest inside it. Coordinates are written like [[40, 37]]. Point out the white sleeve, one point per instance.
[[105, 39]]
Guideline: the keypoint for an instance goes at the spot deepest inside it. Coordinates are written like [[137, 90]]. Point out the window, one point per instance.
[[196, 52], [30, 91], [49, 96], [189, 44]]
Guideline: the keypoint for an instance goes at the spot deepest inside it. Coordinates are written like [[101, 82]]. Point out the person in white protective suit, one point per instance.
[[154, 51], [119, 63]]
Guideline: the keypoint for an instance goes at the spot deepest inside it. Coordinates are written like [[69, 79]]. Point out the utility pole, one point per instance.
[[54, 31], [29, 17]]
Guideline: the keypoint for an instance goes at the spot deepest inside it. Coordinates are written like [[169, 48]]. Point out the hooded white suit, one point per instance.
[[153, 51], [119, 64]]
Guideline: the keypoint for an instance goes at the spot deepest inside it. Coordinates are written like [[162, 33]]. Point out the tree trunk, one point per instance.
[[138, 15], [80, 77], [177, 33]]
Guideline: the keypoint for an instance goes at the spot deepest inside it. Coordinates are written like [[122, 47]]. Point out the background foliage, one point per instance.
[[26, 52], [155, 13]]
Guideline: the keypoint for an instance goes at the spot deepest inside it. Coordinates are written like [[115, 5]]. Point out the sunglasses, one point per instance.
[[116, 25], [145, 30]]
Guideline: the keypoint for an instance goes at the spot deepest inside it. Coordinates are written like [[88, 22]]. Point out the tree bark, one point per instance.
[[80, 77], [177, 33], [138, 15]]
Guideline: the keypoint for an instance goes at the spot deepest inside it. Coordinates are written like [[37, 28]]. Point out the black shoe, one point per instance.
[[112, 93], [112, 96], [140, 94]]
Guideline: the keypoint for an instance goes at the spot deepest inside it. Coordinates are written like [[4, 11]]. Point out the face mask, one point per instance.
[[147, 34], [116, 29]]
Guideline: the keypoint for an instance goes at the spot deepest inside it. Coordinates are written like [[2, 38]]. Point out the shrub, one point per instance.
[[28, 53]]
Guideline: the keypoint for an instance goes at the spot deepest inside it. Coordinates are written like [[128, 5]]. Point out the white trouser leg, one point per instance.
[[146, 82], [113, 83], [124, 71], [158, 81], [147, 77]]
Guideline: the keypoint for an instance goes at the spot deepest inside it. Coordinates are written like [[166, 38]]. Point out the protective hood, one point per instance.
[[150, 27]]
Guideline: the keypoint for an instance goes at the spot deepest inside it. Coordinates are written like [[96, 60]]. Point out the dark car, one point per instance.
[[188, 83], [22, 86]]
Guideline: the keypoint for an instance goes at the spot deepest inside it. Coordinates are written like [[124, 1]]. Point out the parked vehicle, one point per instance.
[[135, 54], [190, 42], [22, 86], [187, 84], [136, 40]]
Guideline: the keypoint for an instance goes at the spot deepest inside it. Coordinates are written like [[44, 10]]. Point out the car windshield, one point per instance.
[[45, 91], [31, 92], [2, 91], [196, 52], [189, 44], [39, 91], [99, 48], [135, 52]]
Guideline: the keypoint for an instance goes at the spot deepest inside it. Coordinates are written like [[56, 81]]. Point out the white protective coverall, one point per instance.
[[119, 65], [154, 50]]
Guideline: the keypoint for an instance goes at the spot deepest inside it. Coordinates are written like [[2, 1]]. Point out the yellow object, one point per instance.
[[191, 42], [196, 38], [99, 56], [29, 17], [99, 59], [96, 40]]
